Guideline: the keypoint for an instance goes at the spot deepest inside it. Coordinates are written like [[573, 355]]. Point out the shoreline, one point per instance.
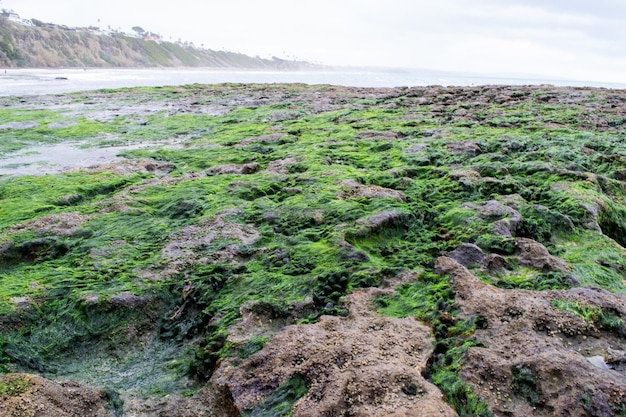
[[22, 82]]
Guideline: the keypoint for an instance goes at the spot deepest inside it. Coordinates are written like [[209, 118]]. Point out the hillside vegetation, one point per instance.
[[291, 250], [50, 47]]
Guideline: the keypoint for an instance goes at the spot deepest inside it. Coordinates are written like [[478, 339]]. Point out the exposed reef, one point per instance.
[[292, 250]]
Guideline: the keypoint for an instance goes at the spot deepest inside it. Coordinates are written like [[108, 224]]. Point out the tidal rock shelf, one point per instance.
[[295, 250]]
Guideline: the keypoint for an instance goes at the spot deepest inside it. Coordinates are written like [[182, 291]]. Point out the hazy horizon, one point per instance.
[[574, 40]]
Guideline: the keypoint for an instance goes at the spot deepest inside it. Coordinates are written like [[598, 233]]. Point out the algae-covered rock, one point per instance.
[[362, 364], [536, 355], [534, 254], [468, 254], [31, 395], [234, 169], [352, 189], [230, 259]]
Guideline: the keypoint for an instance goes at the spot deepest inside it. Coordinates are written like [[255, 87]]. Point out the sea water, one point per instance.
[[16, 82]]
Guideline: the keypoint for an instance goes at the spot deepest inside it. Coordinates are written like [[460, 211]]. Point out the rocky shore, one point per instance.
[[292, 250]]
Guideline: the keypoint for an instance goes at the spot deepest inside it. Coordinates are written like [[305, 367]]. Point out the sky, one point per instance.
[[561, 39]]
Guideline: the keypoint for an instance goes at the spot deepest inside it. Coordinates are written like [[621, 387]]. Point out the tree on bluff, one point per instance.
[[139, 30]]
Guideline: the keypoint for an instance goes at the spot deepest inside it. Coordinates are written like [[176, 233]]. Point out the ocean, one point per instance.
[[17, 82]]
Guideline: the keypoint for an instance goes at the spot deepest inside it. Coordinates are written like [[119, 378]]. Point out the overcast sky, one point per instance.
[[567, 39]]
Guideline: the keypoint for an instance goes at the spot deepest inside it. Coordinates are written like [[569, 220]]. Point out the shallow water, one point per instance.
[[18, 82], [52, 159]]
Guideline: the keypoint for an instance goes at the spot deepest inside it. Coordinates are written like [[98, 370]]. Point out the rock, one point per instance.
[[61, 125], [22, 303], [210, 401], [467, 177], [350, 253], [515, 201], [593, 210], [195, 244], [591, 204], [128, 299], [415, 148], [531, 360], [468, 147], [379, 135], [377, 222], [90, 298], [404, 277], [281, 166], [494, 263], [241, 169], [156, 167], [535, 255], [261, 318], [493, 210], [468, 254], [362, 364], [620, 174], [502, 228], [273, 137], [19, 125], [30, 395], [60, 224], [352, 189]]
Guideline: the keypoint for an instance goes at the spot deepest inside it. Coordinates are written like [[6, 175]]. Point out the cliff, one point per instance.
[[48, 46]]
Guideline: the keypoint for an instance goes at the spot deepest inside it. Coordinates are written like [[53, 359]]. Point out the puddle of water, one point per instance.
[[52, 159], [153, 368]]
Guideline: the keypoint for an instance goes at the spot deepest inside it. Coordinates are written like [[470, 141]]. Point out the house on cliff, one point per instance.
[[14, 17]]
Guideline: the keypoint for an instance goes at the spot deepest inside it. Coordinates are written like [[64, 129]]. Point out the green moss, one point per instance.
[[620, 409], [530, 279], [63, 327]]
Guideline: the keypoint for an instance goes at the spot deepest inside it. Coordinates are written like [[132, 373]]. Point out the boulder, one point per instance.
[[533, 254], [379, 221], [468, 254]]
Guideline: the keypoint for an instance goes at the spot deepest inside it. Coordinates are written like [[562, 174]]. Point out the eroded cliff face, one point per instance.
[[45, 47]]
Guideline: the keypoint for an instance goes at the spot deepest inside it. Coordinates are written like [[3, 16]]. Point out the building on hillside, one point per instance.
[[152, 37], [14, 17]]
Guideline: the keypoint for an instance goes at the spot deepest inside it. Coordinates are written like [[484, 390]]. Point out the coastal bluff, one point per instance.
[[35, 44]]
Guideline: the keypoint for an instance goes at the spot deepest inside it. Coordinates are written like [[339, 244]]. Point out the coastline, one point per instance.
[[18, 82]]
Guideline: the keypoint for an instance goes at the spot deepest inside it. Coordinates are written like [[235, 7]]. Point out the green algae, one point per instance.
[[14, 386], [602, 319], [281, 401], [431, 300], [310, 241]]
